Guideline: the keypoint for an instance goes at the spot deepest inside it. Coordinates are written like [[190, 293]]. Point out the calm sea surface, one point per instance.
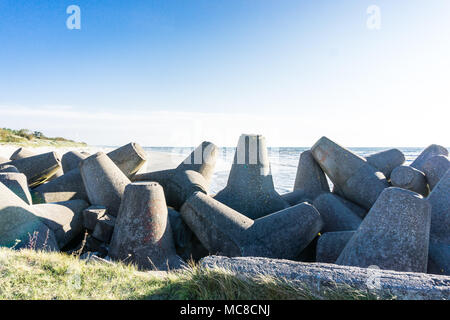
[[283, 163]]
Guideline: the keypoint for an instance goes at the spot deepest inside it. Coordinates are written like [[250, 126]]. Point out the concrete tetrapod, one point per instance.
[[394, 235], [430, 151], [355, 177], [386, 161], [178, 185], [439, 199], [335, 214], [129, 158], [250, 188], [434, 169], [71, 160], [38, 168], [22, 153], [409, 178], [142, 233], [8, 168], [310, 178], [65, 219], [104, 182], [283, 234], [439, 258], [17, 183], [331, 244], [91, 216], [20, 227]]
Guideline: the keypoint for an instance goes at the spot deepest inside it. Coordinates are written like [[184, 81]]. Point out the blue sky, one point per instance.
[[174, 73]]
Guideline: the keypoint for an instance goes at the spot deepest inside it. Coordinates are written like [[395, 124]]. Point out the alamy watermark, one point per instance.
[[374, 17], [74, 20]]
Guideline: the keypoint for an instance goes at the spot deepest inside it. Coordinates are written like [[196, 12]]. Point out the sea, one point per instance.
[[283, 160]]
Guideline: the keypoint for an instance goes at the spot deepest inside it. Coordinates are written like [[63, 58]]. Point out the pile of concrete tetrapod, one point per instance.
[[344, 209]]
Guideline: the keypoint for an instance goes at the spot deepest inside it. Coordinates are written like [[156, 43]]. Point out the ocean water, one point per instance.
[[283, 162]]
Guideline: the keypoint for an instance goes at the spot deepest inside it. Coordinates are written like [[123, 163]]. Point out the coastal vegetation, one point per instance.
[[29, 138]]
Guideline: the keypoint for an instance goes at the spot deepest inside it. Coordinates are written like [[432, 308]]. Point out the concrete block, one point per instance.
[[143, 234], [20, 227], [250, 188], [386, 161], [71, 160], [104, 182], [394, 235], [223, 230], [439, 258], [331, 244], [409, 178], [17, 183], [310, 178], [91, 216], [37, 168], [8, 168], [104, 228], [296, 197], [65, 219], [434, 169], [335, 214], [129, 159], [356, 178], [439, 199], [430, 151], [22, 153]]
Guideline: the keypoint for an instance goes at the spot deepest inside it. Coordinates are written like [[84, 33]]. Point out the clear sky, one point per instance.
[[176, 72]]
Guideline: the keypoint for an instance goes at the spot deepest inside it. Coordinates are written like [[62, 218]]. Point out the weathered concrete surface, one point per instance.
[[128, 158], [296, 197], [320, 278], [104, 182], [202, 160], [38, 168], [22, 153], [434, 169], [409, 178], [104, 228], [65, 219], [91, 216], [335, 214], [17, 183], [439, 258], [19, 223], [250, 188], [331, 244], [355, 177], [385, 161], [310, 178], [394, 235], [430, 151], [222, 229], [8, 168], [142, 233], [71, 160], [439, 199]]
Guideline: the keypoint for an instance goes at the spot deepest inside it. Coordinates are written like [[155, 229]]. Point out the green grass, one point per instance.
[[28, 274], [26, 138]]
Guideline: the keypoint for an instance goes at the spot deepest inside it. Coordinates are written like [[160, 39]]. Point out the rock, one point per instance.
[[129, 159], [223, 230], [22, 153], [434, 169], [91, 216], [439, 199], [430, 151], [385, 161], [250, 188], [104, 228], [324, 280], [71, 160], [17, 183], [37, 168], [104, 182], [331, 244], [394, 235], [65, 219], [409, 178], [8, 168], [357, 180], [20, 227], [439, 258], [310, 178], [335, 215], [142, 234]]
